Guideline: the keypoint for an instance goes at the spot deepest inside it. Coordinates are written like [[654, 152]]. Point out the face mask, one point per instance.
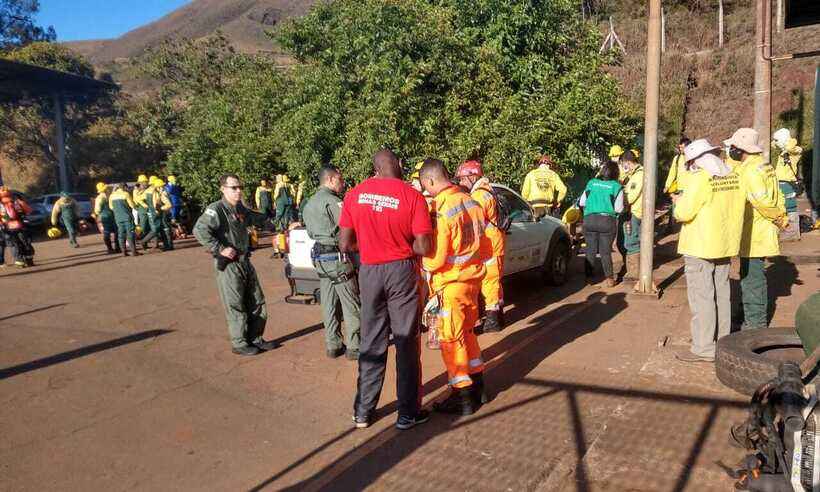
[[735, 154]]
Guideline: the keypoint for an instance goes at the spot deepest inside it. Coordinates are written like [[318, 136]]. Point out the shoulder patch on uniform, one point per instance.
[[210, 212]]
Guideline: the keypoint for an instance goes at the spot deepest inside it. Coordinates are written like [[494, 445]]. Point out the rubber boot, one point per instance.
[[108, 246], [134, 251], [492, 322], [460, 402], [169, 240], [479, 391]]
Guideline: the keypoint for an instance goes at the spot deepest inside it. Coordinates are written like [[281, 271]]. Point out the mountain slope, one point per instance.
[[242, 21]]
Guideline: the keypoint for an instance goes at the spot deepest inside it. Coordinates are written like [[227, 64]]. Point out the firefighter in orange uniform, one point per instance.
[[471, 177], [455, 269]]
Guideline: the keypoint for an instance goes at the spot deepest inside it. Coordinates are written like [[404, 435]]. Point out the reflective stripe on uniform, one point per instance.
[[461, 208], [459, 260], [459, 379], [476, 362], [491, 261]]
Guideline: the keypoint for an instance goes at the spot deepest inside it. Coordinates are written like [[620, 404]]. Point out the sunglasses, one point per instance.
[[234, 188]]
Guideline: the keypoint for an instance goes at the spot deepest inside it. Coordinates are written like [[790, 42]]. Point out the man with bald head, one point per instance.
[[387, 222]]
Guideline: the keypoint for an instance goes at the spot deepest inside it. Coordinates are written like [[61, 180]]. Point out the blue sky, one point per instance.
[[98, 19]]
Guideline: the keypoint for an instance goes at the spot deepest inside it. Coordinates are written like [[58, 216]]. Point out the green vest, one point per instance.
[[601, 197], [149, 199], [67, 213], [119, 204]]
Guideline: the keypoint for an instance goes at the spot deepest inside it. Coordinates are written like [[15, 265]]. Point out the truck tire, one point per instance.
[[556, 266], [741, 362]]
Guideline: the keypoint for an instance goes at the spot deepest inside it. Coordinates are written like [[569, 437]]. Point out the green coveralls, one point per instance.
[[68, 216], [265, 203], [109, 226], [338, 284], [285, 210], [222, 226], [142, 216], [160, 228], [124, 218]]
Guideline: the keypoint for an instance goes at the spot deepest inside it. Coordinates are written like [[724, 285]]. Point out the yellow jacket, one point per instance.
[[60, 204], [120, 195], [633, 185], [788, 172], [543, 187], [161, 200], [711, 212], [765, 207], [677, 173], [457, 229], [138, 196], [495, 237], [300, 192]]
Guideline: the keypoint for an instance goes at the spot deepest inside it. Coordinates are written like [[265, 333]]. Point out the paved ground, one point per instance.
[[115, 373]]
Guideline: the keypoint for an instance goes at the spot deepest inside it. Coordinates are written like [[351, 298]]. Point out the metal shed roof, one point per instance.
[[22, 81]]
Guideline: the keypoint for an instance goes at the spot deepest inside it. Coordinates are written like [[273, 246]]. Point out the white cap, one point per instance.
[[697, 149], [781, 137]]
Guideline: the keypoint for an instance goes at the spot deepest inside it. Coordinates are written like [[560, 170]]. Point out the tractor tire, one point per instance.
[[741, 362]]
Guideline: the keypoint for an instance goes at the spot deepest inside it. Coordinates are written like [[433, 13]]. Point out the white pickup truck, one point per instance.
[[532, 244]]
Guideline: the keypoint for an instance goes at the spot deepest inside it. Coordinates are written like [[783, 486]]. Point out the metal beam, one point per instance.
[[59, 140], [650, 164], [815, 172]]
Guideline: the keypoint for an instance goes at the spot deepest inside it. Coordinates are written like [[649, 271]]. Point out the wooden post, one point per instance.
[[59, 134], [720, 23], [763, 74]]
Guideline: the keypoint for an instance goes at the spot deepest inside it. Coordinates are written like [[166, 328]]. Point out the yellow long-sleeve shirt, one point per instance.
[[543, 187], [765, 208]]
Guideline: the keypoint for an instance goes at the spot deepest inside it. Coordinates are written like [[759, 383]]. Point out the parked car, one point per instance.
[[532, 245], [45, 203]]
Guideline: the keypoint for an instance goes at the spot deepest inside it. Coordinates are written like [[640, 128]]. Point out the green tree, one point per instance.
[[17, 27]]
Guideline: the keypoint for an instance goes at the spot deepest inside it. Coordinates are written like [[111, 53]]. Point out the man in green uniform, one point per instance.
[[163, 206], [142, 206], [67, 210], [337, 273], [264, 202], [155, 206], [223, 230], [284, 201], [122, 205], [105, 219]]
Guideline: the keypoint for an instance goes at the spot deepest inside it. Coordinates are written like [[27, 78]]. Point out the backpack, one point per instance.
[[504, 220]]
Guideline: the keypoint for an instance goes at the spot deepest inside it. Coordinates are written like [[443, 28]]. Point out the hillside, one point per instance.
[[243, 21]]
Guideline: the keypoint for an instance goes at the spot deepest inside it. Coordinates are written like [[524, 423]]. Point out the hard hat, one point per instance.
[[100, 187], [54, 232], [615, 151], [285, 178], [469, 168], [172, 179], [781, 137], [158, 183], [143, 179], [571, 216], [152, 179]]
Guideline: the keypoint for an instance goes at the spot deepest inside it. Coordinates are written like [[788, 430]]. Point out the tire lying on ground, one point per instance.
[[741, 362]]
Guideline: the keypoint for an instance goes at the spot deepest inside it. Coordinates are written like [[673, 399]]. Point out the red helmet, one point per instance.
[[469, 168], [545, 159]]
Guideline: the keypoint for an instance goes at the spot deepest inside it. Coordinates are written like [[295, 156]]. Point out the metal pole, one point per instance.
[[815, 172], [763, 74], [59, 138], [650, 163]]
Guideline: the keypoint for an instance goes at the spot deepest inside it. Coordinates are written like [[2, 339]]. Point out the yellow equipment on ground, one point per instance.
[[54, 232], [571, 216]]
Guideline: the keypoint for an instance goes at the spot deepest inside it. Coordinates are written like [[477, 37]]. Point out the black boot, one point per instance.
[[460, 402], [479, 391], [108, 246], [492, 322]]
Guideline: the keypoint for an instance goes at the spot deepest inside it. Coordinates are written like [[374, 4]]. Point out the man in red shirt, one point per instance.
[[388, 223]]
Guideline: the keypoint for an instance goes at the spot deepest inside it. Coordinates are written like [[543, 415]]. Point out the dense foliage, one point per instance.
[[499, 80], [17, 27]]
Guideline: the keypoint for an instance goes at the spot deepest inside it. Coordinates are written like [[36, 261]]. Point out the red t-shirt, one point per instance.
[[385, 213]]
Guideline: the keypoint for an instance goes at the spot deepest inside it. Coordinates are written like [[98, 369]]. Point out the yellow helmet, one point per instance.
[[172, 179], [571, 216], [54, 232], [615, 151], [101, 187], [285, 178], [152, 179], [158, 183], [142, 179], [138, 230]]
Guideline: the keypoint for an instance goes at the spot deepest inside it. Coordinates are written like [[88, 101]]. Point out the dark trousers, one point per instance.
[[599, 232], [390, 304]]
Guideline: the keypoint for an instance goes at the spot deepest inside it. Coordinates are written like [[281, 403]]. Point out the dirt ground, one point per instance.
[[116, 373]]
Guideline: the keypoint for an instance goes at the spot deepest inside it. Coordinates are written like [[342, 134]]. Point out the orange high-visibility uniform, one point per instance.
[[456, 268], [493, 246]]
